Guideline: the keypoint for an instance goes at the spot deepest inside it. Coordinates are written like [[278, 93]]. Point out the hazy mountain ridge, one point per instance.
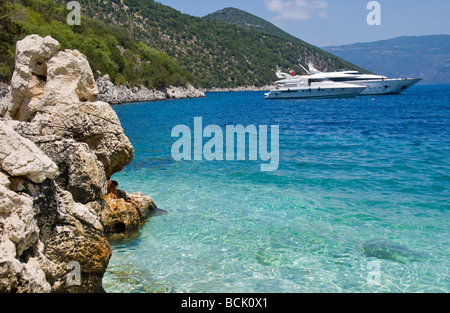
[[406, 56]]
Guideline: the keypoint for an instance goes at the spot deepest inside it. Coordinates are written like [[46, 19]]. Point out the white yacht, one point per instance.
[[376, 84], [291, 86]]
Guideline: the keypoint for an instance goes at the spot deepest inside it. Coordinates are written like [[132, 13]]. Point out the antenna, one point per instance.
[[304, 68]]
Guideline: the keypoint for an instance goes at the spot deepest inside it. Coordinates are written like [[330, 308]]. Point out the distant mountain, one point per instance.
[[422, 56]]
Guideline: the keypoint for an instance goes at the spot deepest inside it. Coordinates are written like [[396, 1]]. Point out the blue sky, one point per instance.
[[336, 22]]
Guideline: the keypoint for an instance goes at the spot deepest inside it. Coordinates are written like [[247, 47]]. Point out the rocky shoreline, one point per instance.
[[60, 144], [237, 89], [59, 148], [112, 94]]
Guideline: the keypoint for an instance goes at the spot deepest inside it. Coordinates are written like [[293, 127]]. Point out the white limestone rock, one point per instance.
[[45, 76], [93, 123], [20, 157], [28, 80], [181, 92], [69, 79]]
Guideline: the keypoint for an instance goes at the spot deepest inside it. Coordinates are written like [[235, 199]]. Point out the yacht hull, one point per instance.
[[315, 93], [386, 87]]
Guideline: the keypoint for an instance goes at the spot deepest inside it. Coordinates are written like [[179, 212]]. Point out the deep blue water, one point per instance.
[[360, 181]]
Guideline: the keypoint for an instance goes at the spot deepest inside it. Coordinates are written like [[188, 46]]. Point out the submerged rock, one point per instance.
[[389, 251]]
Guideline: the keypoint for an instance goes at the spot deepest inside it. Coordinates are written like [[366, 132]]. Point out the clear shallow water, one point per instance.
[[359, 180]]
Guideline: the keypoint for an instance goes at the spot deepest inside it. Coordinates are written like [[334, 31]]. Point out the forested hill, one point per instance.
[[250, 21], [216, 53], [141, 41], [110, 49]]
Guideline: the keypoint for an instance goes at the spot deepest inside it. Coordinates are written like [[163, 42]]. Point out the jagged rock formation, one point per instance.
[[43, 228], [59, 146], [122, 94]]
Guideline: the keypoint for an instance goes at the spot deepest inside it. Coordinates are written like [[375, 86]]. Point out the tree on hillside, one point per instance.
[[9, 31]]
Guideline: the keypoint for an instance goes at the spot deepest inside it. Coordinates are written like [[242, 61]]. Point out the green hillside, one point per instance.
[[249, 21], [144, 42], [109, 48], [216, 53], [9, 33]]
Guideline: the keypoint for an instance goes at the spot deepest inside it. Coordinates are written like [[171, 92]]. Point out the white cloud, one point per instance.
[[297, 9]]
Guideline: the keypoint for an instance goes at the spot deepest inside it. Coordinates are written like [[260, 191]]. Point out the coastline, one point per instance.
[[113, 95], [121, 94], [343, 177], [62, 142], [237, 89]]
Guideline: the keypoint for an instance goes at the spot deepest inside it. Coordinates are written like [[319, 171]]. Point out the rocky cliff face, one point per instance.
[[59, 147]]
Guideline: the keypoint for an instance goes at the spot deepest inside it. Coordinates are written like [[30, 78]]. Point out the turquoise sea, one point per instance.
[[360, 201]]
